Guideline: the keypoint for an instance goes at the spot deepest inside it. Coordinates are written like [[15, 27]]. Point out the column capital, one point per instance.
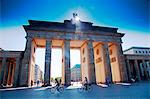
[[48, 44], [48, 39], [4, 58], [118, 44], [105, 48], [128, 60], [28, 38], [90, 40], [67, 40], [143, 60], [135, 60], [17, 58], [105, 43]]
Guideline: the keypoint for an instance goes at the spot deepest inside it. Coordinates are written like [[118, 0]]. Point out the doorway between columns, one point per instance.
[[56, 63]]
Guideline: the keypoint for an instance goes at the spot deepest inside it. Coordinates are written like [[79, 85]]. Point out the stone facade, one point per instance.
[[138, 63], [76, 73], [67, 35], [38, 78], [102, 58], [10, 68]]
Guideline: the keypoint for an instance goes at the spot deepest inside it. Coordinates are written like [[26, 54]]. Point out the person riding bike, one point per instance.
[[57, 83], [86, 83], [57, 87]]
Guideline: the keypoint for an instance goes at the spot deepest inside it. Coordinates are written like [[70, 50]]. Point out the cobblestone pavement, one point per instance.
[[134, 91]]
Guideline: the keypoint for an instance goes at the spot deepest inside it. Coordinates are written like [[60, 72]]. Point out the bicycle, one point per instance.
[[60, 89], [83, 88]]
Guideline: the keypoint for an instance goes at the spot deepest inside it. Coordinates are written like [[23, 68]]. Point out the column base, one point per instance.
[[23, 86], [45, 85], [66, 85]]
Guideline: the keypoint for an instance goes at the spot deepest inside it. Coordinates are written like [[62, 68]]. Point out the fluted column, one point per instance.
[[129, 70], [145, 69], [2, 70], [137, 70], [47, 62], [10, 73], [122, 66], [16, 73], [91, 64], [6, 73], [107, 65], [26, 64], [66, 77]]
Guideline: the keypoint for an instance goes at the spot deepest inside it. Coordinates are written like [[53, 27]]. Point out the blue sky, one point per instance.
[[130, 16]]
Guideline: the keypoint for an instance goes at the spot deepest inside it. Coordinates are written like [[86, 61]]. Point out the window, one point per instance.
[[139, 51], [136, 52], [143, 51]]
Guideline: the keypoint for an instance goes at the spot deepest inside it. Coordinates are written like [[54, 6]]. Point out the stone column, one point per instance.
[[66, 62], [145, 69], [137, 70], [47, 62], [91, 64], [26, 64], [129, 70], [16, 73], [6, 73], [107, 67], [2, 70], [10, 73], [122, 65]]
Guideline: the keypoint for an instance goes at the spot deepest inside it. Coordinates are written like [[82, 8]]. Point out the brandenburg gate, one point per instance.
[[102, 57]]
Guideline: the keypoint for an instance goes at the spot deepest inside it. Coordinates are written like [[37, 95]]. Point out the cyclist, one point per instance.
[[57, 87], [86, 83], [57, 83]]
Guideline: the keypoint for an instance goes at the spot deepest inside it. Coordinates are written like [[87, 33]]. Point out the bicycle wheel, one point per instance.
[[90, 88], [81, 89], [60, 89], [52, 90]]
